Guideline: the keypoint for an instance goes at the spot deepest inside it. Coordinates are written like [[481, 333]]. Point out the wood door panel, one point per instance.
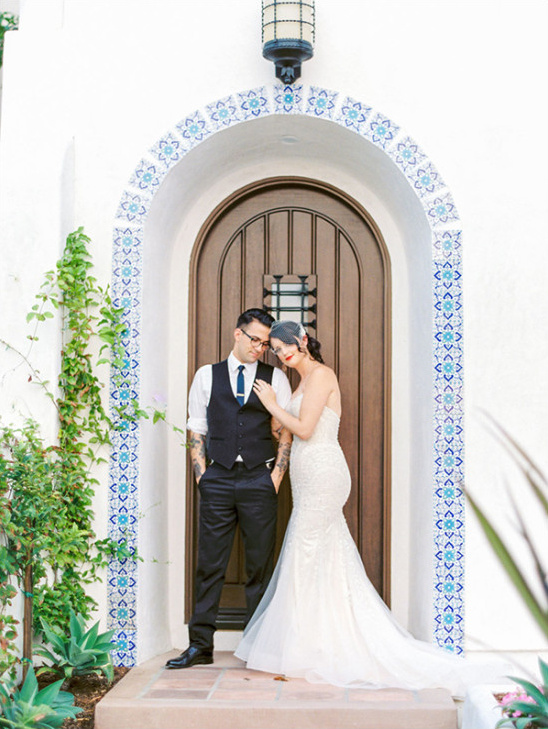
[[293, 226], [231, 293], [326, 260], [348, 328], [302, 248], [253, 264], [278, 241]]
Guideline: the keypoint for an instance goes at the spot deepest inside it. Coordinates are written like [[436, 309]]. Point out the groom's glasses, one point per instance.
[[256, 342]]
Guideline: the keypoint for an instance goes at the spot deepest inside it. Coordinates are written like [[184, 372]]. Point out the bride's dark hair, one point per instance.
[[291, 332]]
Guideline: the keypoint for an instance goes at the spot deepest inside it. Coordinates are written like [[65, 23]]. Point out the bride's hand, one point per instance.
[[265, 393]]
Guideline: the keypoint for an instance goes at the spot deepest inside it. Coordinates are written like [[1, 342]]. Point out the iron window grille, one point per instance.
[[290, 297]]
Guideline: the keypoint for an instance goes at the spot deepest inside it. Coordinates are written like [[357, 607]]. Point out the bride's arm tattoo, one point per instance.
[[197, 447], [282, 457]]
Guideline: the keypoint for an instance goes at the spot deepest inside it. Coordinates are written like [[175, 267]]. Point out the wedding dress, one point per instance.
[[321, 618]]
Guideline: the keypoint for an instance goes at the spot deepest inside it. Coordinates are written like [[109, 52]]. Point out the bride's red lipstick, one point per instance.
[[288, 357]]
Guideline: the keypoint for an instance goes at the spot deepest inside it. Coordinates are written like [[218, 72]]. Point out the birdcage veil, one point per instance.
[[292, 332], [288, 332]]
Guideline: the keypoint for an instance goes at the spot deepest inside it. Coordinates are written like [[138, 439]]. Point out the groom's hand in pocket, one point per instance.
[[276, 480], [197, 447]]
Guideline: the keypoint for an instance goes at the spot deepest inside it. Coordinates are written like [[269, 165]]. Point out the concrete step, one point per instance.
[[227, 695]]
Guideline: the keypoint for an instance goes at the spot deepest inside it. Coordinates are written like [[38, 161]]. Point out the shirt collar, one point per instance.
[[233, 364]]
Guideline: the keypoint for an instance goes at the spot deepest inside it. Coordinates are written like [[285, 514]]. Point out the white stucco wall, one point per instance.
[[89, 86]]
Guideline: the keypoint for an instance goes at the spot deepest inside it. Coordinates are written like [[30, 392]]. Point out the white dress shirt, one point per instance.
[[200, 390]]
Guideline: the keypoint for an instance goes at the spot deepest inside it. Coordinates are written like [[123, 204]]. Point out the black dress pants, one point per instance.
[[229, 497]]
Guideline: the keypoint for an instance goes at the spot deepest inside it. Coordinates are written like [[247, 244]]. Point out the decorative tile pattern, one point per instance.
[[447, 244], [168, 150], [425, 179], [442, 215], [407, 154], [442, 210], [254, 103], [124, 460], [147, 178], [449, 441], [381, 130], [193, 129], [321, 103], [288, 99], [133, 207], [353, 114], [223, 113]]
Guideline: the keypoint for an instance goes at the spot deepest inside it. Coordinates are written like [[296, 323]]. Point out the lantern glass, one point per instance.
[[288, 20]]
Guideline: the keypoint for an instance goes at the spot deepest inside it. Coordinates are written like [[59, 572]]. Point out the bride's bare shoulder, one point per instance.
[[323, 374]]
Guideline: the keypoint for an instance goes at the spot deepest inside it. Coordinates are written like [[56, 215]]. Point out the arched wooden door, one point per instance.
[[293, 227]]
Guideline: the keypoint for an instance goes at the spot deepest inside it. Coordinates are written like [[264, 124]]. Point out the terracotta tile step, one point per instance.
[[228, 696]]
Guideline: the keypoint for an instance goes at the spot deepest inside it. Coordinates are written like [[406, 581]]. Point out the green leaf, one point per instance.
[[48, 655], [75, 626], [511, 568], [104, 641], [90, 637], [158, 416], [542, 498], [528, 467], [57, 642], [83, 658], [30, 687], [541, 573], [49, 694], [522, 722], [544, 672], [526, 708], [108, 670], [532, 690]]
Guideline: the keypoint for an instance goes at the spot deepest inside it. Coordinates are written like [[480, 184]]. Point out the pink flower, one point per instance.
[[506, 699], [510, 697]]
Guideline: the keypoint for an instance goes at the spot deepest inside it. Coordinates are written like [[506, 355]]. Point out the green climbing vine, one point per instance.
[[47, 544], [8, 21]]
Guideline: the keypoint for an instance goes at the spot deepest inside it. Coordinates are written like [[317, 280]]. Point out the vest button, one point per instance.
[[239, 448], [241, 435], [240, 423]]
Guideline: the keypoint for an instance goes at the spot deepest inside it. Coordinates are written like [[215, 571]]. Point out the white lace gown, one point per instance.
[[321, 618]]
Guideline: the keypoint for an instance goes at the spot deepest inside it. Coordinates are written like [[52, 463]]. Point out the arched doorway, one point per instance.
[[173, 188], [307, 244]]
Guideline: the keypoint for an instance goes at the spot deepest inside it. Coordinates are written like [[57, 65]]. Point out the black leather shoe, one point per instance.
[[193, 656]]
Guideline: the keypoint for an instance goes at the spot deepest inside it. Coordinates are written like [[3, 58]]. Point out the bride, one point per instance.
[[320, 617]]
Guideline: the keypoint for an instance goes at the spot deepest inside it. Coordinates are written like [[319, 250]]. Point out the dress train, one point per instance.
[[321, 618]]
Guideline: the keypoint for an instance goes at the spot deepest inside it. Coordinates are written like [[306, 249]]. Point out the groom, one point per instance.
[[240, 485]]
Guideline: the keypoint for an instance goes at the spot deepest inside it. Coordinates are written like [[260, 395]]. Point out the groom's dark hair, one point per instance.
[[259, 315]]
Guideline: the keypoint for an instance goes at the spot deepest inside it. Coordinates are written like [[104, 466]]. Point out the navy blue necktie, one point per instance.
[[240, 385]]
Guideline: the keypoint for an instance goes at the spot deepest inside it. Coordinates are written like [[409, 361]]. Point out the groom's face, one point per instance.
[[249, 340]]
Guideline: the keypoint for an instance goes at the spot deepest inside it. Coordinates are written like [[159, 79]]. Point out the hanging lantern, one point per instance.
[[288, 35]]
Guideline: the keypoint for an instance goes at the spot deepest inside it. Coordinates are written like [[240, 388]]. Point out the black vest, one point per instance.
[[238, 430]]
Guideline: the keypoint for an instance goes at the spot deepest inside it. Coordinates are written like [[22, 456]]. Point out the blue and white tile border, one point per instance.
[[443, 218]]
